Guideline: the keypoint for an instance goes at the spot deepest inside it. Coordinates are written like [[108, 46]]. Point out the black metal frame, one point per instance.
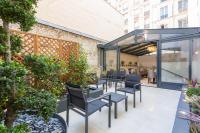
[[179, 34], [84, 112]]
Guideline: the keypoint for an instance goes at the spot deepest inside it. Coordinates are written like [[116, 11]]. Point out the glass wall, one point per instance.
[[196, 59], [111, 59], [175, 61]]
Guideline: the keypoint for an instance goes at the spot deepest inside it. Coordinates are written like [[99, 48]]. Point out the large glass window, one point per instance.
[[164, 12], [111, 59], [182, 5], [196, 59], [175, 61]]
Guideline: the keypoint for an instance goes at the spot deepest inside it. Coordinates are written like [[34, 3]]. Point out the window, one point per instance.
[[175, 61], [182, 5], [183, 23], [146, 26], [164, 12], [196, 59], [146, 14]]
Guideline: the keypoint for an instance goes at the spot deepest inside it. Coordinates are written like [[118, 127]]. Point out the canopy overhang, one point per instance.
[[138, 41]]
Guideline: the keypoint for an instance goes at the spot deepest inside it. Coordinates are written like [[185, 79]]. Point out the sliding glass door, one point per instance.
[[196, 59], [174, 63]]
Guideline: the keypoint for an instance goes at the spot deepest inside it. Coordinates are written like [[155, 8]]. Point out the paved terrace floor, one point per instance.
[[156, 114]]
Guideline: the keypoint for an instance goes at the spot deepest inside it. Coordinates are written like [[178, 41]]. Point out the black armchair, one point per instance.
[[132, 85], [81, 104]]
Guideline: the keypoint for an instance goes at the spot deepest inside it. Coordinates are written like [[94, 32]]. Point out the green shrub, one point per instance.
[[193, 91], [77, 69], [46, 72], [23, 128]]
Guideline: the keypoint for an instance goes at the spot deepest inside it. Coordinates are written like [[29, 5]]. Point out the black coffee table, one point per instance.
[[116, 98]]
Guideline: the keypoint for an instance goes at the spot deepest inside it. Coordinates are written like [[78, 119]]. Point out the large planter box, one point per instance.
[[62, 104], [95, 92], [181, 125]]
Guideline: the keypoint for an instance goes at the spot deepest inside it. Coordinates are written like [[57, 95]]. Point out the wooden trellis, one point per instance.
[[42, 45]]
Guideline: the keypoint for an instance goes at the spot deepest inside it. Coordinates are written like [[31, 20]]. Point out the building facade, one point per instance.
[[121, 6], [154, 14]]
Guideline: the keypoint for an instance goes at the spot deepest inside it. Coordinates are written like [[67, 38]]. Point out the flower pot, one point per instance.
[[62, 104], [55, 124]]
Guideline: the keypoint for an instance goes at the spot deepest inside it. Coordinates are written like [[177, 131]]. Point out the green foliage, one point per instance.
[[16, 42], [42, 102], [46, 72], [11, 75], [18, 11], [17, 129], [77, 69], [193, 91]]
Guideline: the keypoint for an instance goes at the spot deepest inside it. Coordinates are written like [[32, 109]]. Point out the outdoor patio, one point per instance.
[[155, 114]]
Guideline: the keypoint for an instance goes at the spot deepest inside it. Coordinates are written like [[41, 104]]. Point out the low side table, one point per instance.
[[116, 98]]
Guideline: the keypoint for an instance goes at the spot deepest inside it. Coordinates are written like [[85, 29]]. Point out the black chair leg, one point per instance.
[[140, 95], [109, 112], [106, 86], [86, 124], [115, 110], [126, 104], [134, 100], [67, 116]]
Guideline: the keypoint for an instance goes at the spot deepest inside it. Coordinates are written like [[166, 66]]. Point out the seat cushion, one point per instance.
[[101, 82], [128, 90], [95, 106], [116, 97]]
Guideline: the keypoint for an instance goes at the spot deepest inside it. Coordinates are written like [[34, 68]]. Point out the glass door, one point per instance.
[[111, 60], [196, 59], [175, 59]]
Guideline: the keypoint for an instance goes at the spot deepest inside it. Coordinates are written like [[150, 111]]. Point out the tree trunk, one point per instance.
[[11, 112], [7, 42], [10, 116]]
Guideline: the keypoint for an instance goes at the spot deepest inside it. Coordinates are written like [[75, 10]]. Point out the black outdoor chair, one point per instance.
[[81, 104], [102, 81], [132, 85]]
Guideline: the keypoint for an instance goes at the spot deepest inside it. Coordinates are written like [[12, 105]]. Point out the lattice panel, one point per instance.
[[28, 42], [67, 48], [41, 45], [48, 46]]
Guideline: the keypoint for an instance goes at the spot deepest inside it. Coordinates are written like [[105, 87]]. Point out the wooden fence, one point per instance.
[[42, 45]]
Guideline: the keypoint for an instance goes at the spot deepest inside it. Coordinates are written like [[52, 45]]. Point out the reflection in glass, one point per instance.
[[111, 59], [175, 61], [196, 59]]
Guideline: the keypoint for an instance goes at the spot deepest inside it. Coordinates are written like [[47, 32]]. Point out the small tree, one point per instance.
[[15, 94]]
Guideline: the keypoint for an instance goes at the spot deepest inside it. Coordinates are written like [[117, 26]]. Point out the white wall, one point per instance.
[[93, 17]]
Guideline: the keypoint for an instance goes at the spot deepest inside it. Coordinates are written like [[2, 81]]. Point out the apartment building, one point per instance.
[[121, 6], [151, 14]]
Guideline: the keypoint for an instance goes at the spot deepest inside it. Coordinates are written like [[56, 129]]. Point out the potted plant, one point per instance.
[[77, 74], [17, 96]]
